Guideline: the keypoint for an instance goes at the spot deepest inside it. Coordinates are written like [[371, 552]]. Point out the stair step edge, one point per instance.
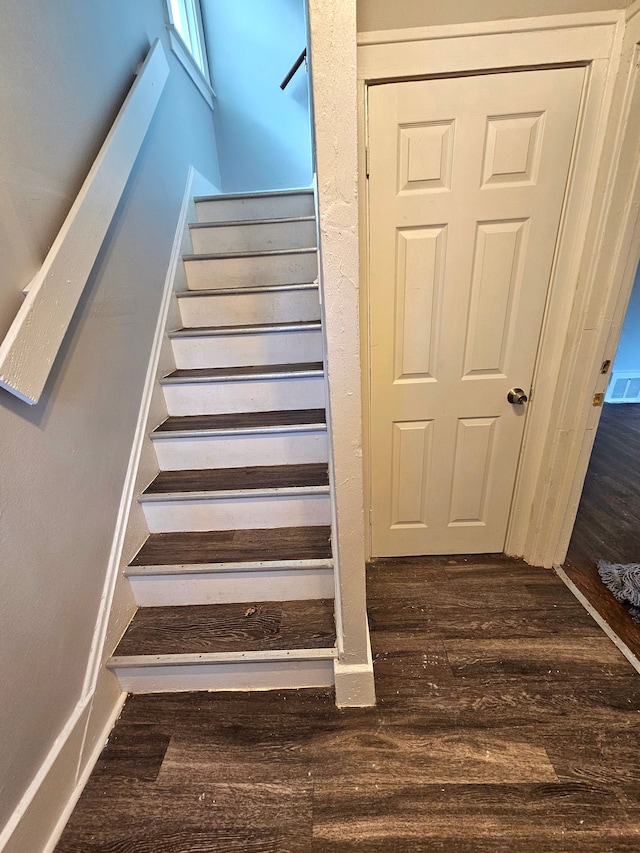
[[232, 223], [266, 253], [268, 194], [242, 377], [231, 291], [165, 435], [225, 568], [207, 658], [237, 494], [256, 329]]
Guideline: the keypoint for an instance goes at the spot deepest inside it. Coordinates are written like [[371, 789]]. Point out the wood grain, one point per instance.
[[483, 740], [210, 628], [608, 521], [233, 479], [221, 546], [244, 420]]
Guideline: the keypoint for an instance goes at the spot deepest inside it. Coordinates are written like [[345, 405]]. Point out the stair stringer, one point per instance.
[[119, 604]]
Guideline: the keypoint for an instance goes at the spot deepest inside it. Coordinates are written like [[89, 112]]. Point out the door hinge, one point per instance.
[[606, 364], [366, 161], [598, 399]]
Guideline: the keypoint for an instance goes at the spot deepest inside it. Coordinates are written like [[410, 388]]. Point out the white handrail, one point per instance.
[[29, 349]]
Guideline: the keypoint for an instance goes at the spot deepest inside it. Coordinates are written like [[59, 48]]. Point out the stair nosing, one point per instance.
[[232, 223], [230, 291], [206, 658], [257, 566], [224, 494], [242, 377], [265, 253], [256, 329], [267, 194], [226, 431]]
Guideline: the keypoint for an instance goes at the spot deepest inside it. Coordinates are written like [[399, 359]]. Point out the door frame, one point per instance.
[[549, 468]]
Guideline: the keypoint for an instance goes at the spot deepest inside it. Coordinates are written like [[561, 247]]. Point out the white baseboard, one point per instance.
[[101, 721], [40, 817], [354, 683]]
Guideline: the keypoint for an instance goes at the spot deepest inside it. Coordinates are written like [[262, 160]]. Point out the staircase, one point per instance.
[[235, 581]]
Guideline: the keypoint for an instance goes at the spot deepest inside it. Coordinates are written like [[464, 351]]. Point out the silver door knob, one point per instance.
[[517, 397]]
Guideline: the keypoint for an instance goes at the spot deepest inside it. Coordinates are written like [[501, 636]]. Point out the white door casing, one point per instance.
[[467, 180]]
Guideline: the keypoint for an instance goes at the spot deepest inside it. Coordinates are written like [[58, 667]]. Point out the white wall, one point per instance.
[[65, 68], [628, 354], [263, 132], [385, 15]]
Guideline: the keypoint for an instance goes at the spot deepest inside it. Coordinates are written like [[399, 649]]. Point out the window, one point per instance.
[[185, 17], [187, 43]]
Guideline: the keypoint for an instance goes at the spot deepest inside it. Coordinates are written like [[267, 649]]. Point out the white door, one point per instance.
[[467, 180]]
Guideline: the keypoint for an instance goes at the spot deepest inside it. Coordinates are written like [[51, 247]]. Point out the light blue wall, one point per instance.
[[263, 133], [628, 355]]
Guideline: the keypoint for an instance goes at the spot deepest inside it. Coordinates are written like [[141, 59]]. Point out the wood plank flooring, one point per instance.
[[506, 723], [230, 627], [235, 546], [233, 479], [244, 420], [608, 522]]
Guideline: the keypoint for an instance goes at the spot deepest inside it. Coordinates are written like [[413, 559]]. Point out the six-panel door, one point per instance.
[[467, 180]]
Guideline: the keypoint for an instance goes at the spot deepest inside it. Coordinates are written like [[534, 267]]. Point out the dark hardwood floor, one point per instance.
[[506, 721], [233, 479], [221, 546], [608, 522], [230, 627]]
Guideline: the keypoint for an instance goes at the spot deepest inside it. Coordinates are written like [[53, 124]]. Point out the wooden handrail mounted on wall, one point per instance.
[[30, 347]]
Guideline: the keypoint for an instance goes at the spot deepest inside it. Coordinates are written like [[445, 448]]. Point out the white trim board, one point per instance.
[[41, 815], [33, 340], [606, 282], [592, 40], [608, 630], [184, 57]]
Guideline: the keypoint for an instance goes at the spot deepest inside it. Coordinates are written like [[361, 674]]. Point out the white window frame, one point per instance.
[[186, 37]]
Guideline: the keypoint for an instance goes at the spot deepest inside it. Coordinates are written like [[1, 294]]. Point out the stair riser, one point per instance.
[[254, 238], [278, 675], [241, 350], [236, 451], [237, 513], [232, 587], [266, 395], [236, 309], [265, 207], [258, 271]]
